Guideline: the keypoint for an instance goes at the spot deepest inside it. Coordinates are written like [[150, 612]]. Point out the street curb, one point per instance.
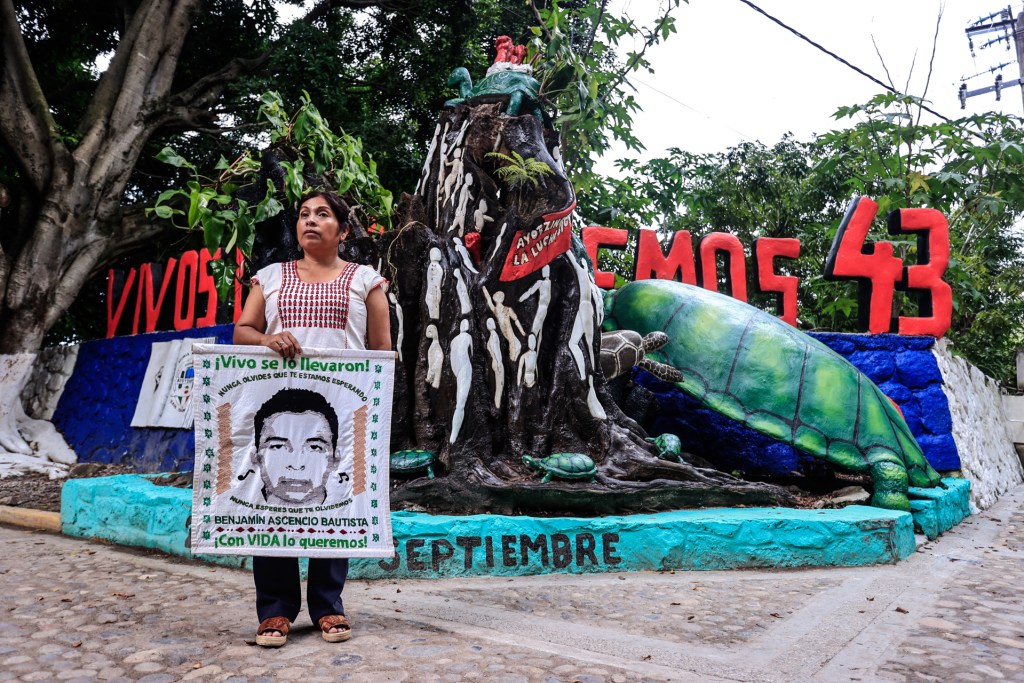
[[30, 519]]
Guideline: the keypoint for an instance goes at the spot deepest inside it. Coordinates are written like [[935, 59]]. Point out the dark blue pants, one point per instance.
[[278, 590]]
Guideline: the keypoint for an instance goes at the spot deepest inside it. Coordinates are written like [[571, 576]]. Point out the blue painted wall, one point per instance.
[[95, 411], [903, 367]]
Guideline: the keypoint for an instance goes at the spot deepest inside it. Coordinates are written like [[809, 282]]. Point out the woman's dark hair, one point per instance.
[[338, 206]]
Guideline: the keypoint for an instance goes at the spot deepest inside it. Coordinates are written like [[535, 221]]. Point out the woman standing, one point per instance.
[[318, 301]]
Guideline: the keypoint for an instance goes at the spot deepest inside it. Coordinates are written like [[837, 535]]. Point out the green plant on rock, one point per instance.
[[318, 158], [517, 171]]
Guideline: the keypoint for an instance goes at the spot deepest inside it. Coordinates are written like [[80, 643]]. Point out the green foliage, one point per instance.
[[380, 74], [971, 169], [518, 171], [574, 51], [321, 159]]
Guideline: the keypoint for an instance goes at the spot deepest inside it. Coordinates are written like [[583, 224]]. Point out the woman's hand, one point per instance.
[[253, 321], [284, 343]]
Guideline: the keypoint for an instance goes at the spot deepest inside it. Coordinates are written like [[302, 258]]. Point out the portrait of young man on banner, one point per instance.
[[296, 447], [292, 454]]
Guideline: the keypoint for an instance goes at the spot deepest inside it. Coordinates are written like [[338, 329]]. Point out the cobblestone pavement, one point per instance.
[[83, 611]]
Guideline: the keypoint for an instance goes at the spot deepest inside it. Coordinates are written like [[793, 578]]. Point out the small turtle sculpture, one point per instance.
[[754, 368], [563, 466], [622, 349], [519, 87], [413, 461], [669, 447]]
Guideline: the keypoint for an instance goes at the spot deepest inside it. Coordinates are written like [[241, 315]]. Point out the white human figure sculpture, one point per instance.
[[542, 288], [583, 330], [583, 325], [497, 367], [506, 317], [451, 180], [435, 276], [462, 368], [462, 134], [401, 323], [598, 303], [556, 154], [462, 206], [464, 253], [528, 363], [480, 216], [430, 157], [596, 409], [497, 242], [435, 358], [460, 288], [439, 186]]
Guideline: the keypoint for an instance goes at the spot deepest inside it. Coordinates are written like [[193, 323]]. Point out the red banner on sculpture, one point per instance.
[[533, 249]]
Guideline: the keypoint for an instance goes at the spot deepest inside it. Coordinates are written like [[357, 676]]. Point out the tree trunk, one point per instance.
[[26, 445], [71, 197], [500, 341]]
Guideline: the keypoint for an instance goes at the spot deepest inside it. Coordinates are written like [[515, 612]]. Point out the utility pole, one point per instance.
[[1018, 43], [1006, 26]]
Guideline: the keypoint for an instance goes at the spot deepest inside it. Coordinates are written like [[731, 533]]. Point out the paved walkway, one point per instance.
[[77, 610]]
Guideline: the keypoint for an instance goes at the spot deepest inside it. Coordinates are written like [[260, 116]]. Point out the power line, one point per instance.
[[693, 109], [839, 59]]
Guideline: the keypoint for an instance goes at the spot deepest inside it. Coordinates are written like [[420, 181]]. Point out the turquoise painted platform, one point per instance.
[[131, 510]]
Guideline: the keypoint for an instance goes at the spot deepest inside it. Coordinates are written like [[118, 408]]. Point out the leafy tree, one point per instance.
[[572, 50], [78, 141], [575, 49], [971, 169]]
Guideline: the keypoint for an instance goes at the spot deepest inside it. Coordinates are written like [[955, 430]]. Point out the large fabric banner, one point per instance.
[[292, 455], [165, 399]]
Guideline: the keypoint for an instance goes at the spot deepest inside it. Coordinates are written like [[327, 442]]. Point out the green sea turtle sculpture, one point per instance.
[[669, 447], [563, 466], [622, 349], [413, 461], [753, 368], [518, 87]]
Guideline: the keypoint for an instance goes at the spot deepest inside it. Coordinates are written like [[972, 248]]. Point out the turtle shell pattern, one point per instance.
[[413, 460], [669, 446], [505, 83], [760, 371], [620, 351], [563, 466]]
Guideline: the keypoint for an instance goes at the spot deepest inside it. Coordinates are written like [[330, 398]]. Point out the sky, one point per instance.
[[731, 75]]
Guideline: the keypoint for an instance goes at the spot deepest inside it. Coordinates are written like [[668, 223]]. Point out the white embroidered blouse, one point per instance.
[[325, 315]]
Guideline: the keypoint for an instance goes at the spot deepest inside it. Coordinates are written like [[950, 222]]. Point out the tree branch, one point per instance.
[[931, 60], [134, 230], [593, 30], [74, 277], [26, 124], [113, 77], [649, 40], [192, 106]]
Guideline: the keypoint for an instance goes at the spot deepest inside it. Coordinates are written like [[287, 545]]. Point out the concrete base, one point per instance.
[[936, 511], [131, 510]]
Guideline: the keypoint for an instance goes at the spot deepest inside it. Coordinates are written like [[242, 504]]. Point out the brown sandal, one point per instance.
[[280, 624], [331, 621]]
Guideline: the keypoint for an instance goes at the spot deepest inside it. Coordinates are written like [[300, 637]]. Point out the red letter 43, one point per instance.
[[879, 272]]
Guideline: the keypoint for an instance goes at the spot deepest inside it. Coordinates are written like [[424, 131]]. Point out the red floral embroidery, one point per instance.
[[314, 304]]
